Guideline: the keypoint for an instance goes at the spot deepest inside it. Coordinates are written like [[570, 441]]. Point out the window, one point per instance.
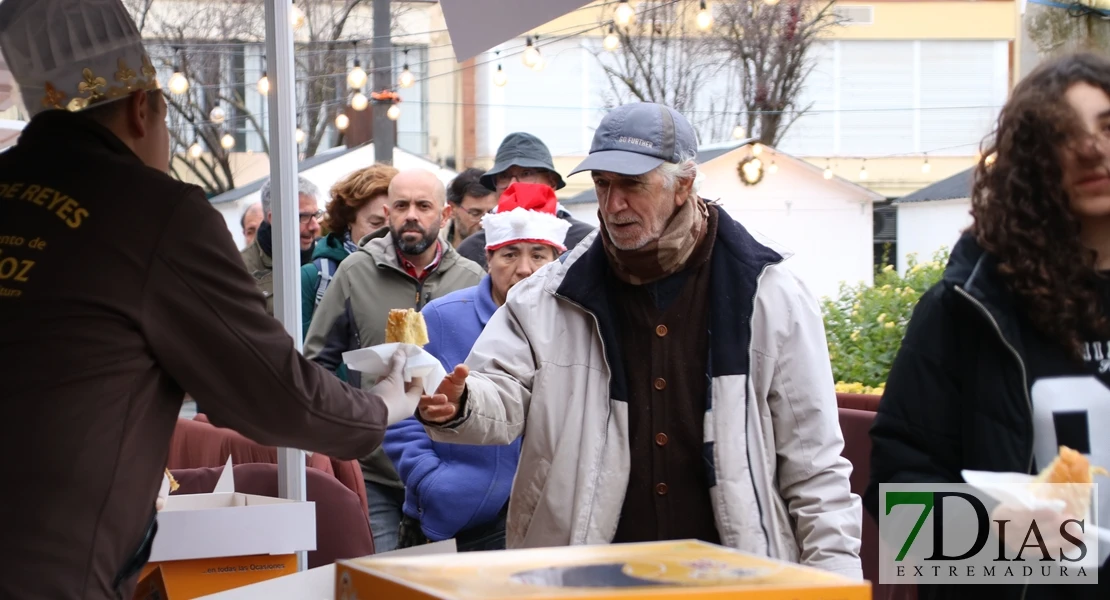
[[855, 15]]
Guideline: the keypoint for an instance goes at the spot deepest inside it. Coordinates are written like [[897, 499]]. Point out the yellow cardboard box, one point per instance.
[[658, 571]]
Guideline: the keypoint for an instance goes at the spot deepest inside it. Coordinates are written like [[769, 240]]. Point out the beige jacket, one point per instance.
[[544, 368]]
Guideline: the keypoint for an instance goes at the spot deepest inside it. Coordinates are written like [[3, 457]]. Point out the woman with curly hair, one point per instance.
[[356, 209], [1008, 356]]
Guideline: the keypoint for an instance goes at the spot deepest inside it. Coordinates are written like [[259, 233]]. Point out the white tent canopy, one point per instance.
[[478, 25]]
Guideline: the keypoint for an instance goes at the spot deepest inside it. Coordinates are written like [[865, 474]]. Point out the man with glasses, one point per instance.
[[258, 257], [522, 158], [470, 201]]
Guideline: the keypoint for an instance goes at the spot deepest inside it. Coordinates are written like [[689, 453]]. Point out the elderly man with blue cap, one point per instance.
[[127, 291], [669, 376]]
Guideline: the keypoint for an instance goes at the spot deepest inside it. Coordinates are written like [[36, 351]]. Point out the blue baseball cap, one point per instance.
[[636, 138]]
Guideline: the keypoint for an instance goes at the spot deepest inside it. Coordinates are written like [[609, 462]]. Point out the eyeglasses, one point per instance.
[[305, 217], [523, 175]]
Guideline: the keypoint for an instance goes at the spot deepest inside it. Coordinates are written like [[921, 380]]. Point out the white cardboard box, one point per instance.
[[227, 523]]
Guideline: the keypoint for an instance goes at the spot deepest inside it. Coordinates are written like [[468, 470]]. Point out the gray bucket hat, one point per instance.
[[521, 150], [636, 138]]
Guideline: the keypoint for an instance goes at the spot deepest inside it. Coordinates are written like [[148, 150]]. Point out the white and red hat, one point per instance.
[[526, 213]]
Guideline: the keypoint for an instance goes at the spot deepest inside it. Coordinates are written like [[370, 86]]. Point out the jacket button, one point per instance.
[[660, 439], [660, 383], [661, 330], [661, 489]]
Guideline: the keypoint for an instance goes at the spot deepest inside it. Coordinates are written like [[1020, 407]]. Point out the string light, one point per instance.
[[227, 141], [178, 83], [611, 41], [264, 84], [217, 115], [357, 77], [770, 2], [863, 171], [739, 132], [296, 17], [406, 79], [394, 112], [773, 168], [925, 166], [530, 56], [359, 101], [757, 149], [989, 160], [624, 13], [299, 135], [342, 122], [540, 64], [195, 151], [499, 77], [828, 174], [705, 18]]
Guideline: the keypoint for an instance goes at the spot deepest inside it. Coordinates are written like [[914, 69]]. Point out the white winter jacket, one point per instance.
[[546, 365]]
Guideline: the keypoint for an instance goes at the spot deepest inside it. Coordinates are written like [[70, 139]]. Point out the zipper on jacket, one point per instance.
[[609, 368], [747, 407], [1024, 382]]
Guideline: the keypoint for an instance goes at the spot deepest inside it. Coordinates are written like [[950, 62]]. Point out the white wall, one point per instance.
[[925, 227]]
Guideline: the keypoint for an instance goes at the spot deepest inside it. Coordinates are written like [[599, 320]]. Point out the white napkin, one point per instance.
[[373, 362], [163, 493], [1000, 486]]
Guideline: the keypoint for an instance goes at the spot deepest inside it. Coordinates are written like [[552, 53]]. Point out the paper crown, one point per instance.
[[526, 213], [73, 54]]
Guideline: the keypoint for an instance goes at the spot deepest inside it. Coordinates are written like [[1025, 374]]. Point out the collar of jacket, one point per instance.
[[331, 248], [379, 245], [53, 127], [975, 271], [484, 305], [736, 265]]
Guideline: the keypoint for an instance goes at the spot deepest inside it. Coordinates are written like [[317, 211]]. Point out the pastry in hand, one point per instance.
[[173, 482], [406, 327], [1071, 467]]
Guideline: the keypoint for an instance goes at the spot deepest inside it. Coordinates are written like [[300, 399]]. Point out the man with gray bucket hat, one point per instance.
[[523, 158], [730, 437]]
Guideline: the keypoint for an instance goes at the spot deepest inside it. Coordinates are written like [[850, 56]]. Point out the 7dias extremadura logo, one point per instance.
[[958, 534]]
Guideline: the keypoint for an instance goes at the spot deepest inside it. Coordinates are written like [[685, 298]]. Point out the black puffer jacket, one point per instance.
[[957, 398]]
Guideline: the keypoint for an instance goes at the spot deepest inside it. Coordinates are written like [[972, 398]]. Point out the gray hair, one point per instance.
[[304, 188], [685, 168]]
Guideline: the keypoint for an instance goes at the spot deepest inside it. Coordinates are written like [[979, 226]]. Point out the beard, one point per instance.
[[427, 238]]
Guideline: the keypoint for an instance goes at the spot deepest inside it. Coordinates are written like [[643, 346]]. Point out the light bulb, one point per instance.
[[499, 77], [540, 63], [926, 167], [264, 84], [770, 2], [757, 149], [863, 174], [738, 132], [359, 101], [356, 78], [342, 122], [530, 56], [406, 79], [624, 13], [178, 83], [705, 18], [773, 168], [195, 151], [217, 115], [394, 112], [611, 41], [828, 174], [228, 141], [296, 17], [299, 135], [989, 160], [756, 163]]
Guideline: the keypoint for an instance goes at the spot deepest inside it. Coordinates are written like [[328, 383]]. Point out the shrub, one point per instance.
[[865, 324]]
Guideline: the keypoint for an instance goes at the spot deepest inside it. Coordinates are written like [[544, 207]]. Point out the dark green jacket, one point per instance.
[[331, 250]]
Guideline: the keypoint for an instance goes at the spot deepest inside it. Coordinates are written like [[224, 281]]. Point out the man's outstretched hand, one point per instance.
[[443, 405]]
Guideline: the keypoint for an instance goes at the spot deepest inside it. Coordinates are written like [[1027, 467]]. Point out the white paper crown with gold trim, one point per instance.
[[73, 54]]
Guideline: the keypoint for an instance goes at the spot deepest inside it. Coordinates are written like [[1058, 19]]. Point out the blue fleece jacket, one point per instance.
[[452, 487]]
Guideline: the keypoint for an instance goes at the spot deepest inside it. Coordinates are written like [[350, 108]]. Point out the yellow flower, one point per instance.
[[889, 324], [856, 306], [888, 268], [886, 287], [855, 313], [855, 335], [881, 318]]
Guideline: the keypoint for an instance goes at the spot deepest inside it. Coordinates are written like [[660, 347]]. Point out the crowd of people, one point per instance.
[[662, 376]]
